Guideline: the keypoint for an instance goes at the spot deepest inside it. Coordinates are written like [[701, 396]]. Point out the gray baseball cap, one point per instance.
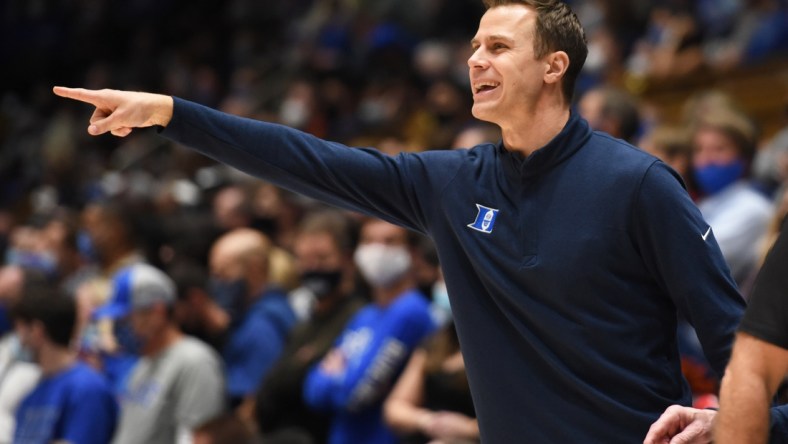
[[134, 287]]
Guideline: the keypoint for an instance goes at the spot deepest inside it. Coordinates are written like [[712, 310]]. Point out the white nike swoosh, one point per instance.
[[705, 235]]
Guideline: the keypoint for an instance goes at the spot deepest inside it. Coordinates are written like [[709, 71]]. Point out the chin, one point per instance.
[[483, 113]]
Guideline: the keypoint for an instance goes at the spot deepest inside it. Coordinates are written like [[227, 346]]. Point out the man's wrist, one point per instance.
[[163, 110]]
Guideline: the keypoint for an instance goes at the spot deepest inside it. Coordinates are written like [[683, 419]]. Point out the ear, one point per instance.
[[36, 333], [556, 65]]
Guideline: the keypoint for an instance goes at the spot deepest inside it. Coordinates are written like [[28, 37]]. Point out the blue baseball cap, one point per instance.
[[134, 287]]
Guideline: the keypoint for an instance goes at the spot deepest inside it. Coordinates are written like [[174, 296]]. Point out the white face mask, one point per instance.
[[382, 265]]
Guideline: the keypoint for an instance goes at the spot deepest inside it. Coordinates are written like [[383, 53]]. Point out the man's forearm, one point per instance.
[[744, 411], [756, 369]]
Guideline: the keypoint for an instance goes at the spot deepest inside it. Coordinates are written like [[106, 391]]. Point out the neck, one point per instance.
[[158, 343], [535, 129], [384, 296], [257, 290], [116, 259], [325, 305], [54, 358]]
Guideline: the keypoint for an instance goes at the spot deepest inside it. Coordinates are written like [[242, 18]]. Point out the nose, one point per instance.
[[477, 59]]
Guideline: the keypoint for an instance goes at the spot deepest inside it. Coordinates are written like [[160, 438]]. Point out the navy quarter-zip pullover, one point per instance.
[[565, 269]]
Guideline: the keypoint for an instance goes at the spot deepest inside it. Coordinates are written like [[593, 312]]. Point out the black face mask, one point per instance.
[[229, 296], [321, 283], [266, 225]]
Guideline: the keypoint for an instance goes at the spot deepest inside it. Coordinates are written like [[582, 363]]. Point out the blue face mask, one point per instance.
[[229, 296], [86, 246], [441, 308], [45, 262], [713, 178], [128, 342]]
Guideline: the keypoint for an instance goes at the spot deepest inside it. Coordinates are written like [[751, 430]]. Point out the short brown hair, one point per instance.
[[734, 124], [557, 29]]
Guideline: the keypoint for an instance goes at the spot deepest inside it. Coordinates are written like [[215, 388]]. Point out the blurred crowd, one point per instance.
[[213, 307]]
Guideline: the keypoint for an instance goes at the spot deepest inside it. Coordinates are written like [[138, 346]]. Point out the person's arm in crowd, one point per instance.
[[402, 410], [404, 414], [253, 354], [755, 372], [338, 384], [689, 265]]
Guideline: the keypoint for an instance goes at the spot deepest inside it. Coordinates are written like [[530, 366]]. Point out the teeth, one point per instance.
[[479, 86]]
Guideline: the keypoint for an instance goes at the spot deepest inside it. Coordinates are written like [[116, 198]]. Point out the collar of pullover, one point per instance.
[[573, 136]]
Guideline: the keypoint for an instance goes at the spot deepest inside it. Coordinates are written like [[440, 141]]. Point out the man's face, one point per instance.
[[226, 265], [317, 252], [712, 147], [146, 322], [380, 232], [505, 76]]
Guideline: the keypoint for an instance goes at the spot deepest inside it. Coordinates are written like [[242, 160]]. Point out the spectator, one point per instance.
[[71, 402], [177, 382], [109, 237], [61, 234], [759, 30], [672, 146], [18, 373], [258, 315], [770, 166], [354, 378], [323, 248], [231, 208], [432, 400], [109, 240], [613, 111], [195, 311], [724, 143]]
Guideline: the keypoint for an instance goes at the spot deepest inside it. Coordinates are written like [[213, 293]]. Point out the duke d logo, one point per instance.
[[485, 219]]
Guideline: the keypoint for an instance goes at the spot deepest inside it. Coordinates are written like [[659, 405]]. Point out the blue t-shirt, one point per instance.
[[375, 345], [256, 342], [75, 405]]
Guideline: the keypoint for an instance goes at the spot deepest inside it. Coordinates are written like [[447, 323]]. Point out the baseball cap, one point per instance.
[[134, 287]]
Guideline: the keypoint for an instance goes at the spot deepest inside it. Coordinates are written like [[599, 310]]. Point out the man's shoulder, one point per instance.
[[82, 380], [607, 145], [273, 302], [192, 350], [410, 303]]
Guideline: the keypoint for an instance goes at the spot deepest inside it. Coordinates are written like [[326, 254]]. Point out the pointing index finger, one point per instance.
[[83, 95]]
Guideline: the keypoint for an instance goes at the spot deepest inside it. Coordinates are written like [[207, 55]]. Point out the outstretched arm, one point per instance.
[[756, 370], [118, 112]]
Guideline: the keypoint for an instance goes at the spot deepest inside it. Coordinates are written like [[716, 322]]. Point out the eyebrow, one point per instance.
[[475, 41]]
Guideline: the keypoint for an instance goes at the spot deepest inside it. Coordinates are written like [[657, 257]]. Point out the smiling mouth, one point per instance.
[[483, 87]]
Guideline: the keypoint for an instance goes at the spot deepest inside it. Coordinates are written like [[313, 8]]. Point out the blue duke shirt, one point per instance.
[[565, 269], [375, 346], [256, 343], [75, 405]]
